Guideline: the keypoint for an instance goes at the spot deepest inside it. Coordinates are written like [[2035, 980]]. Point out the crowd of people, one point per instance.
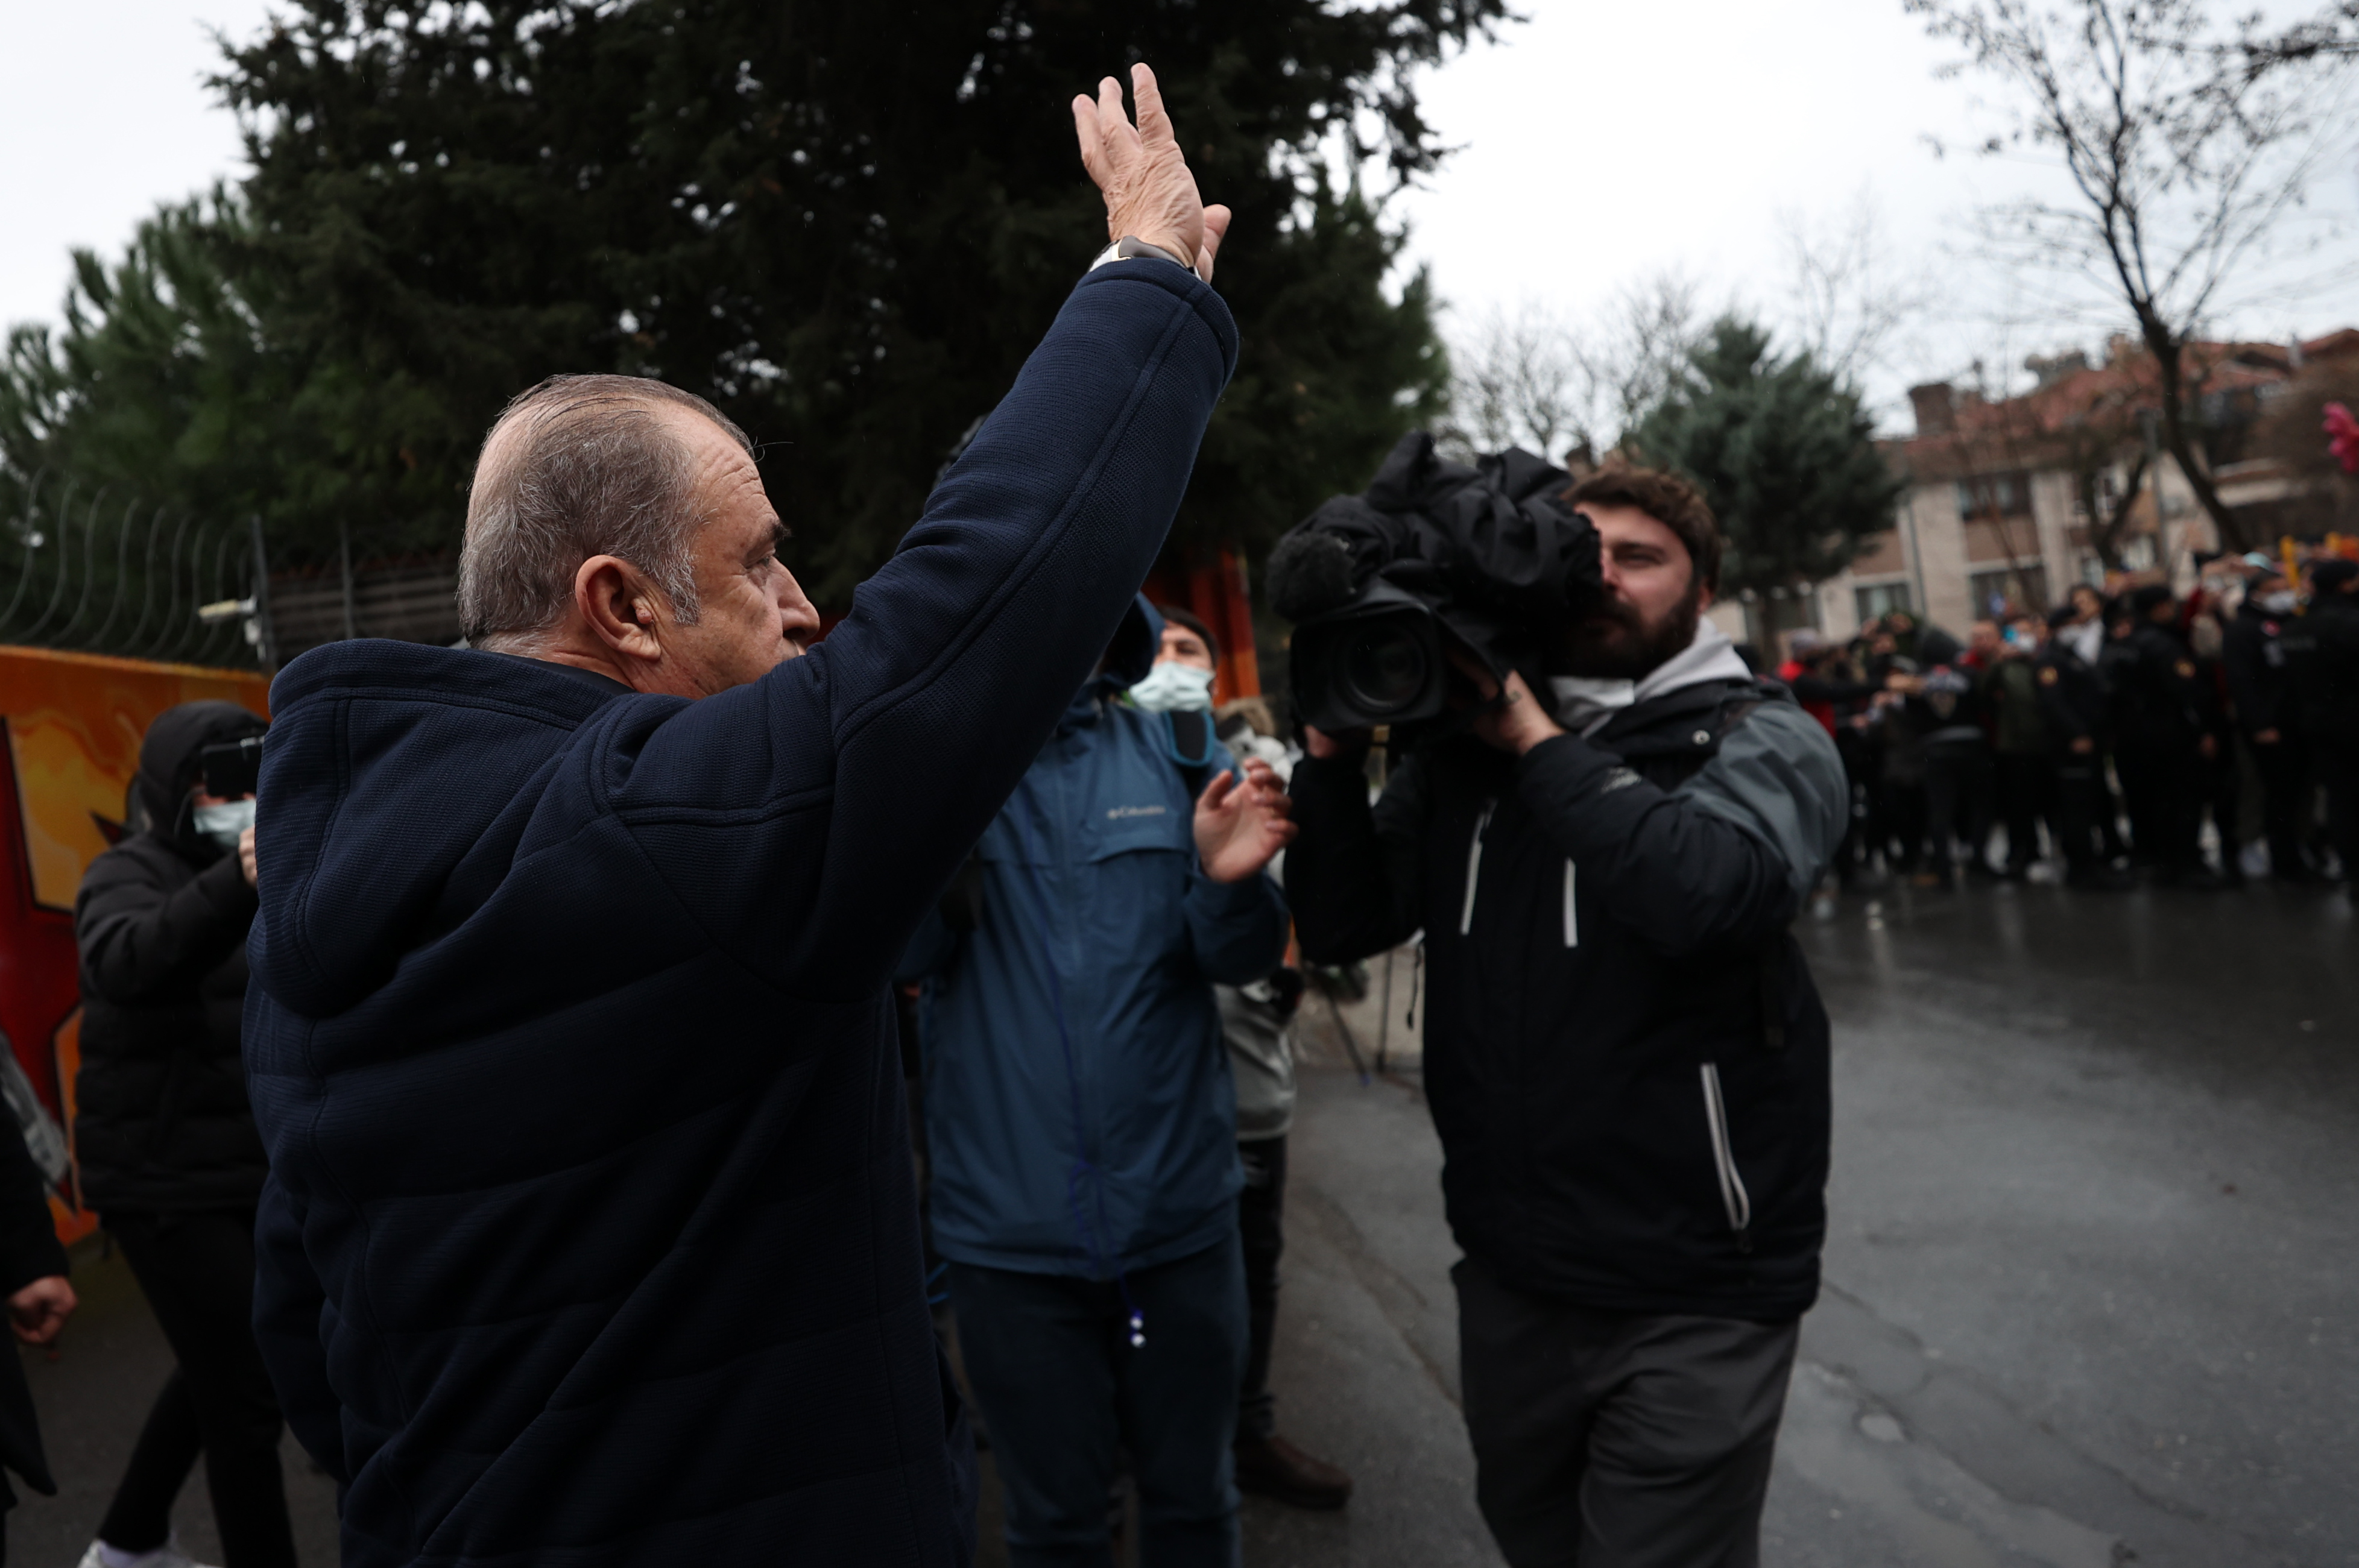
[[2122, 726], [508, 1093]]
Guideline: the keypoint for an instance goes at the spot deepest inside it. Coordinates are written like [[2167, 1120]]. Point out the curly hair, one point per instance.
[[1668, 500]]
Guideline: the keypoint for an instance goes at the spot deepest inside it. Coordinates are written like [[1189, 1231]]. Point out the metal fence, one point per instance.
[[105, 571]]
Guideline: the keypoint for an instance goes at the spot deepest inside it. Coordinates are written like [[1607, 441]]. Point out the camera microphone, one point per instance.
[[1309, 574]]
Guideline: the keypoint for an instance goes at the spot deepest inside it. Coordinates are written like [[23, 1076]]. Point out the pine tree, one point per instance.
[[1783, 452]]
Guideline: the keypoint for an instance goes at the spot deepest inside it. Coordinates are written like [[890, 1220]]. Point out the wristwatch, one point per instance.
[[1130, 247]]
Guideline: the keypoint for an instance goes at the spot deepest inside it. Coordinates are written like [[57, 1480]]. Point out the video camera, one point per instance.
[[1432, 556]]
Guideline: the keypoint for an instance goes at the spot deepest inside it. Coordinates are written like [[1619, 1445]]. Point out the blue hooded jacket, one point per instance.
[[590, 1237], [1080, 1117]]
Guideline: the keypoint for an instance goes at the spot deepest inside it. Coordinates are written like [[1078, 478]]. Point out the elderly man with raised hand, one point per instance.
[[590, 1236]]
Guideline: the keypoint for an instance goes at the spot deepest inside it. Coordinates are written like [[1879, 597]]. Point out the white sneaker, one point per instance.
[[168, 1555]]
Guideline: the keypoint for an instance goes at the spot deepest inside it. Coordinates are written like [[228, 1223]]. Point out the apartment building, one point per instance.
[[2008, 500]]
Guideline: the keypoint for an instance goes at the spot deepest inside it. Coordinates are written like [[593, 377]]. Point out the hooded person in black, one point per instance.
[[167, 1142], [1626, 1056]]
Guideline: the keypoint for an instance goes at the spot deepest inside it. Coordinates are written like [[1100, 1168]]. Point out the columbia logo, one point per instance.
[[1116, 813]]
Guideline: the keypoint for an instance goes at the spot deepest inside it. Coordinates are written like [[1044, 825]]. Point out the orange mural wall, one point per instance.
[[73, 722]]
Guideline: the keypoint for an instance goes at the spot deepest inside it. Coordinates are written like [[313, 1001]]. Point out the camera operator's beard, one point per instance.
[[1614, 642]]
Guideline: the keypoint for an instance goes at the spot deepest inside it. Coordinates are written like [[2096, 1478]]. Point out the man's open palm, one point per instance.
[[1241, 823]]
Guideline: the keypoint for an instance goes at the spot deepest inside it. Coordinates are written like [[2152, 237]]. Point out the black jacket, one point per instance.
[[2071, 699], [1625, 1054], [161, 1118], [2252, 647], [28, 1251], [2164, 700], [2322, 659]]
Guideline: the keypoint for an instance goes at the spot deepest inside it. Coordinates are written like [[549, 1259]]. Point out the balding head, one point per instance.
[[577, 467]]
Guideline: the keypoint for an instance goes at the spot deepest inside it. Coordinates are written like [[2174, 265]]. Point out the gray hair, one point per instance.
[[592, 470]]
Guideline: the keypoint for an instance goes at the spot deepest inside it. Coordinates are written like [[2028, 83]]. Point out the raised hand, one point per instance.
[[1241, 823], [1148, 191]]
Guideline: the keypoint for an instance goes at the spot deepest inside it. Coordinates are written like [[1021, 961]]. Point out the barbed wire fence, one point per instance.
[[105, 570]]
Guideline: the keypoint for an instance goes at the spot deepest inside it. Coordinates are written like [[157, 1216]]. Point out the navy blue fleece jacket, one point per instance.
[[590, 1238]]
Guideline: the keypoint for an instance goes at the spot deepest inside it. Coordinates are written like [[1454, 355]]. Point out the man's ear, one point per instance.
[[621, 608]]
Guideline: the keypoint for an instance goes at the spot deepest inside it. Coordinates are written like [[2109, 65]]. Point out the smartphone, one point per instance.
[[232, 770]]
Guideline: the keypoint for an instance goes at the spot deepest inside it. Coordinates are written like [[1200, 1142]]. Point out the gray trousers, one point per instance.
[[1603, 1440]]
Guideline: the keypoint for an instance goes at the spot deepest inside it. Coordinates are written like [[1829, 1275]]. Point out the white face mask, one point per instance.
[[2281, 602], [224, 823], [1174, 688]]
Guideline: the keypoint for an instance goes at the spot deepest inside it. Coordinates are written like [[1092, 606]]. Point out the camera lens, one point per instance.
[[1383, 667]]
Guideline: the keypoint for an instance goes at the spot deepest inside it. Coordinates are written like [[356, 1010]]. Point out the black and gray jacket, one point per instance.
[[1625, 1053]]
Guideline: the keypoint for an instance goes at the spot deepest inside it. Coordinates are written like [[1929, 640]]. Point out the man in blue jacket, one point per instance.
[[1082, 1122], [589, 1237]]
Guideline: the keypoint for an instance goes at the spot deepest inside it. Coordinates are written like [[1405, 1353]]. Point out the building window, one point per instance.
[[1995, 495], [1880, 599], [2009, 591]]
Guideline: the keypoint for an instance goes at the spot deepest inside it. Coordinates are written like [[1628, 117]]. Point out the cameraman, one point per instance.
[[1627, 1058]]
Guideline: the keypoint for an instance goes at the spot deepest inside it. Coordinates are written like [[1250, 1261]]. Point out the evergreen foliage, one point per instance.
[[1782, 450], [844, 224]]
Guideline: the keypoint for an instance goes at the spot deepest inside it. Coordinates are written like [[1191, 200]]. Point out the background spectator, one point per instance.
[[167, 1140]]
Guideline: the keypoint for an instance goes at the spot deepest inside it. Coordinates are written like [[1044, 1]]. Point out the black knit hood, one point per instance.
[[168, 760]]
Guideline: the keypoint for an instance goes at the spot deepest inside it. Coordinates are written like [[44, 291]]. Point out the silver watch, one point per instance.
[[1130, 247]]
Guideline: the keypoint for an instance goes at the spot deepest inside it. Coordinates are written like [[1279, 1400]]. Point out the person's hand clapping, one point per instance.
[[1149, 193], [39, 1310], [1241, 823], [245, 860]]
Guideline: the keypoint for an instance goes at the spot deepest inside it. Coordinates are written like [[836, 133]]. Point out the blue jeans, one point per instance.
[[1061, 1389]]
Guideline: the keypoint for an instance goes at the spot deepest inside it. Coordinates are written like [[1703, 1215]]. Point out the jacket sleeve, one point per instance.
[[1353, 872], [929, 951], [28, 1236], [1236, 930], [137, 938], [1727, 857], [855, 778], [1817, 688], [289, 1304]]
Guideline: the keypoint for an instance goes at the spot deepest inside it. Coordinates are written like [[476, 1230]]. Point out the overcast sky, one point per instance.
[[1597, 145]]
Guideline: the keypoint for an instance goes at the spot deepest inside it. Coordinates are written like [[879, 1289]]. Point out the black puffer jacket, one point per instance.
[[1625, 1054], [163, 1122]]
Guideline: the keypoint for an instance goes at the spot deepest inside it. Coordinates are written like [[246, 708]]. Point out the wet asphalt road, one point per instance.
[[2091, 1277], [2093, 1274]]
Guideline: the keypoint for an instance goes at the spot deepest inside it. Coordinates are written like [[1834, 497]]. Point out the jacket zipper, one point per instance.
[[1474, 866], [1571, 922], [1732, 1195]]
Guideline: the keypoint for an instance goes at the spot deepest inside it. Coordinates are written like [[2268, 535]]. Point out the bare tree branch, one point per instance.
[[2185, 149], [1846, 297]]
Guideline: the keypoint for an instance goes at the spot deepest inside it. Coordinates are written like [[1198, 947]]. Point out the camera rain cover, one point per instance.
[[1492, 549]]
